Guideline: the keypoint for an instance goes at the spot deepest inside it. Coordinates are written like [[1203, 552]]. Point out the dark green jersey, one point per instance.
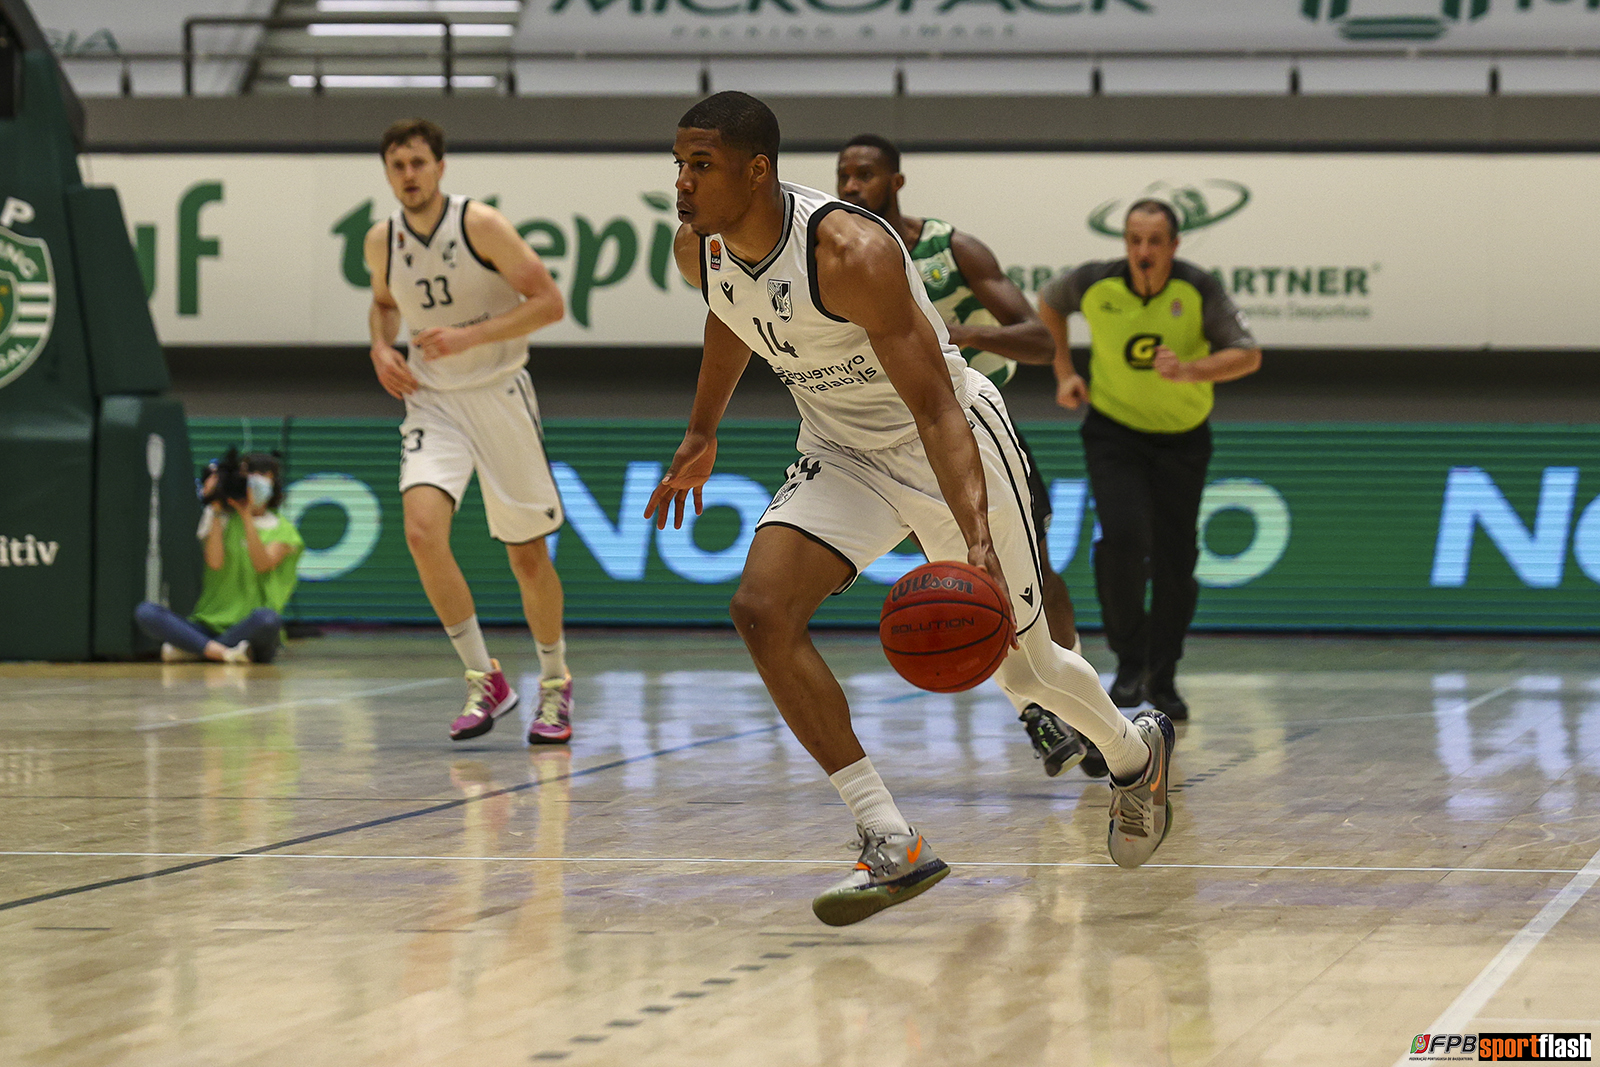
[[953, 298], [1192, 315]]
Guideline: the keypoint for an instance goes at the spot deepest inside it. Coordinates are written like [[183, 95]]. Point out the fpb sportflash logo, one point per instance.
[[1567, 1048], [27, 293]]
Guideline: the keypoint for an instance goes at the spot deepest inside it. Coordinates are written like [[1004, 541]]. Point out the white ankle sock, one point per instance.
[[1127, 755], [868, 799], [468, 640], [553, 658], [1077, 643]]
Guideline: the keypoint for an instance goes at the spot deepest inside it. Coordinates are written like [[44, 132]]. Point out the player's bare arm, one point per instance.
[[861, 276], [1223, 365], [1071, 389], [1020, 335], [499, 244], [722, 363], [383, 318]]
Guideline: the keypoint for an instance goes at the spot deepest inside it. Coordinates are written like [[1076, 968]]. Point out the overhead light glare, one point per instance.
[[409, 29], [420, 7], [394, 81]]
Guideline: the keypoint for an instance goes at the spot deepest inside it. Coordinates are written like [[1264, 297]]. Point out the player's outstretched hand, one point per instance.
[[691, 466], [393, 374], [1070, 392], [983, 557]]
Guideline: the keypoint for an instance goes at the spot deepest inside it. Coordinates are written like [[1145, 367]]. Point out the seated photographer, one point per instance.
[[251, 553]]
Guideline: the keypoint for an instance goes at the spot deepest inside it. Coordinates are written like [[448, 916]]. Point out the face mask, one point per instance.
[[260, 488]]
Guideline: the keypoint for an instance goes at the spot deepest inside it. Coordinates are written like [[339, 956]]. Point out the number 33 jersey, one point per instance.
[[439, 279], [774, 306]]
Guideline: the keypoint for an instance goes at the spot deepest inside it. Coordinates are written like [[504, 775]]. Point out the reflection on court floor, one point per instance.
[[1374, 839]]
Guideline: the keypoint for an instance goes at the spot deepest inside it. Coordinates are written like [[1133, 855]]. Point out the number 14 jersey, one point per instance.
[[439, 279], [774, 306]]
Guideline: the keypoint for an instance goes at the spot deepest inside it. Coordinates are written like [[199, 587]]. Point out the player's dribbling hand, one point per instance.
[[1167, 364], [437, 342], [691, 466], [1070, 392], [393, 374], [983, 557]]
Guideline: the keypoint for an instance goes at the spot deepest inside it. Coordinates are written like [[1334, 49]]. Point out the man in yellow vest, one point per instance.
[[1163, 330]]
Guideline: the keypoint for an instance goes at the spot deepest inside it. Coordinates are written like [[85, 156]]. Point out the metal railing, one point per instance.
[[291, 22], [450, 55]]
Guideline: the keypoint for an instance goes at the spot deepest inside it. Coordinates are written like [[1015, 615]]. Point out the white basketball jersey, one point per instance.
[[439, 279], [841, 389]]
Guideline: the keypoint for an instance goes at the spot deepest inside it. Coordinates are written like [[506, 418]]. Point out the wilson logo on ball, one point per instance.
[[917, 582]]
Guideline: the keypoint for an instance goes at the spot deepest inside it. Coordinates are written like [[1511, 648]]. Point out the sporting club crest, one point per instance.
[[778, 293], [27, 302]]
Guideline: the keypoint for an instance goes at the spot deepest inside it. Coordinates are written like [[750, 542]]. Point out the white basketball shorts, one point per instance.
[[494, 430], [862, 504]]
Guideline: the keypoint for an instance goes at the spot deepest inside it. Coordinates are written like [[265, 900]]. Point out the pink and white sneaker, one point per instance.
[[489, 696], [552, 722]]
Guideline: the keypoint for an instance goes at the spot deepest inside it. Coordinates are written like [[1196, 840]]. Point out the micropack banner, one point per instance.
[[731, 26], [1325, 250]]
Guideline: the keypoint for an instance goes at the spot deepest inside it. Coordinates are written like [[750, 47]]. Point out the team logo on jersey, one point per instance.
[[27, 302], [1177, 308], [778, 293], [727, 291], [714, 248], [408, 259], [449, 253]]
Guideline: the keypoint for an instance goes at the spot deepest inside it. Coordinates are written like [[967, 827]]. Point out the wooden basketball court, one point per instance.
[[292, 865]]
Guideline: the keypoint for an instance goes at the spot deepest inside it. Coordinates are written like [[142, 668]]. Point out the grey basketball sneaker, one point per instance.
[[892, 869], [1141, 814], [1059, 745]]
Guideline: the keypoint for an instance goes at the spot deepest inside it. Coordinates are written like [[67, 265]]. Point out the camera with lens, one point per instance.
[[232, 482]]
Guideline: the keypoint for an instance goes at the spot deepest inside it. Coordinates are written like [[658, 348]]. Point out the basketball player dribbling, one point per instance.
[[470, 291], [994, 327], [897, 436]]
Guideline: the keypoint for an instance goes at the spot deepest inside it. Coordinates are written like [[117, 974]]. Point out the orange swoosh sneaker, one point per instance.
[[892, 869], [1141, 813]]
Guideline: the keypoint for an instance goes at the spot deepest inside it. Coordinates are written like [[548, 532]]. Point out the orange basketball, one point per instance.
[[946, 626]]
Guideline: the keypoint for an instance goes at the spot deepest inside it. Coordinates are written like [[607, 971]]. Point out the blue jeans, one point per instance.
[[261, 628]]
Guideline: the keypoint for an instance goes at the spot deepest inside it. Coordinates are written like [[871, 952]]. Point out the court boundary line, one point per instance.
[[1058, 864], [1499, 970], [432, 809]]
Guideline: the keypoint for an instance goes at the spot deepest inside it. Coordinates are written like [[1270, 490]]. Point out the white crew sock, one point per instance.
[[1052, 677], [868, 799], [468, 640], [552, 658], [1077, 644]]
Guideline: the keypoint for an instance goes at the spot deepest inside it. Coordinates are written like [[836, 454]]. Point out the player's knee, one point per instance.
[[425, 535], [757, 615], [528, 561]]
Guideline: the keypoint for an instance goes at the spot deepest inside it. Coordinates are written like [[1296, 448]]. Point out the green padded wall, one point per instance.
[[47, 406], [79, 367]]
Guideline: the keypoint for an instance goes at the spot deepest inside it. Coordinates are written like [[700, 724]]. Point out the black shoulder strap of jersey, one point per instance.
[[705, 275], [811, 247]]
